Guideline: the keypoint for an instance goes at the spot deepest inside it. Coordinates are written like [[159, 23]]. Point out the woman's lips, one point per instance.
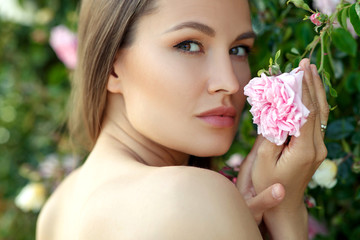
[[221, 117]]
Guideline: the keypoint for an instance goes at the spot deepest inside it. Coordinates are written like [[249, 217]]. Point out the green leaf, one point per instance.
[[342, 17], [345, 146], [340, 129], [314, 42], [327, 81], [326, 77], [271, 62], [331, 108], [333, 92], [344, 41], [356, 150], [294, 51], [354, 13], [300, 4], [356, 138], [288, 67], [357, 8], [261, 71], [352, 82], [278, 53], [357, 195]]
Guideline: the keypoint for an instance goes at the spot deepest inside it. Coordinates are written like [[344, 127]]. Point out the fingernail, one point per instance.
[[276, 192]]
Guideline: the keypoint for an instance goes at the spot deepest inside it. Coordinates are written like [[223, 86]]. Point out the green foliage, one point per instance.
[[34, 87], [354, 14], [336, 53], [344, 41]]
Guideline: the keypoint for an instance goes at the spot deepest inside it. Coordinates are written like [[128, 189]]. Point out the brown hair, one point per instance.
[[105, 26]]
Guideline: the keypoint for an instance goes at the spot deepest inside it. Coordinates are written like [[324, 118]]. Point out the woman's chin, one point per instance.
[[212, 151]]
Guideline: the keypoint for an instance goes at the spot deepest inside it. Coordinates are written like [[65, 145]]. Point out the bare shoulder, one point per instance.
[[52, 211], [168, 203]]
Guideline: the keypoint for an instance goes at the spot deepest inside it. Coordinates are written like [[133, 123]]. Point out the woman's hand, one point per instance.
[[265, 200], [293, 164]]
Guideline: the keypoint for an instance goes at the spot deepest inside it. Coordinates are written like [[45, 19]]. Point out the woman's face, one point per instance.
[[182, 78]]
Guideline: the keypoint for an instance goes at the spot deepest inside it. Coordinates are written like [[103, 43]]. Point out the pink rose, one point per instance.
[[316, 228], [315, 19], [276, 103], [64, 43]]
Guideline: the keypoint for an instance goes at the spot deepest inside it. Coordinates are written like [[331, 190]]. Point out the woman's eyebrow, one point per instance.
[[194, 25], [246, 35], [208, 30]]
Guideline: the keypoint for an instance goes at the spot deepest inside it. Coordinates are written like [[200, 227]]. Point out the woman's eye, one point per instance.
[[189, 46], [241, 51]]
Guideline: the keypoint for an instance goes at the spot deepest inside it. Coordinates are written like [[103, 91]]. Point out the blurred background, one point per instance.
[[37, 58]]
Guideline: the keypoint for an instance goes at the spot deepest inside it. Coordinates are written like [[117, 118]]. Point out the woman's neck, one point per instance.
[[118, 134]]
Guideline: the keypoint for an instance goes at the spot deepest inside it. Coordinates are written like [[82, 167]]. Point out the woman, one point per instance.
[[158, 81]]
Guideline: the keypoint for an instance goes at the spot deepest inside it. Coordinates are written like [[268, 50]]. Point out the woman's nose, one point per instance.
[[223, 78]]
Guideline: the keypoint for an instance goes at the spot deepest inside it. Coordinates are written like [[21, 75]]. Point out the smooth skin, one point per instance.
[[135, 185]]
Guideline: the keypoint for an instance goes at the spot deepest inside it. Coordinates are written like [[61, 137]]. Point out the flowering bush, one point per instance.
[[34, 87], [335, 50]]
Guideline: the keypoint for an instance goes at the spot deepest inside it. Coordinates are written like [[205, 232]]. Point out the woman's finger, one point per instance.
[[306, 138], [265, 200], [244, 183], [322, 101], [309, 81], [323, 113], [268, 155]]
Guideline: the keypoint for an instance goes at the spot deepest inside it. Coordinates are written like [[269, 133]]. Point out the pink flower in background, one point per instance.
[[64, 43], [235, 161], [315, 19], [276, 105], [316, 228]]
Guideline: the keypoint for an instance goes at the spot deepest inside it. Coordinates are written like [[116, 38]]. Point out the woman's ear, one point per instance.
[[114, 83]]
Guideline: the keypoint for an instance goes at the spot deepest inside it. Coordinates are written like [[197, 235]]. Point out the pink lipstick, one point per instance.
[[221, 117]]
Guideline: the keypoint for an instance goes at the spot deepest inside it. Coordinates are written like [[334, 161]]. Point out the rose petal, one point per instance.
[[276, 105]]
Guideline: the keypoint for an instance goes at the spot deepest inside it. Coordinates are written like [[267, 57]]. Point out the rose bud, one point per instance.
[[316, 19]]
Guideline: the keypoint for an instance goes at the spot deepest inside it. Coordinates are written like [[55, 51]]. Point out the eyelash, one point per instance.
[[247, 50], [182, 44], [179, 46]]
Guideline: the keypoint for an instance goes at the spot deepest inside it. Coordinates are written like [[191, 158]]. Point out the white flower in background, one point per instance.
[[235, 160], [325, 175], [31, 198], [326, 6], [11, 10], [50, 166], [70, 162]]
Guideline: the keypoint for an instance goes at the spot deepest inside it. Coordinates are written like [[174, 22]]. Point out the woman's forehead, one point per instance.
[[214, 13]]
